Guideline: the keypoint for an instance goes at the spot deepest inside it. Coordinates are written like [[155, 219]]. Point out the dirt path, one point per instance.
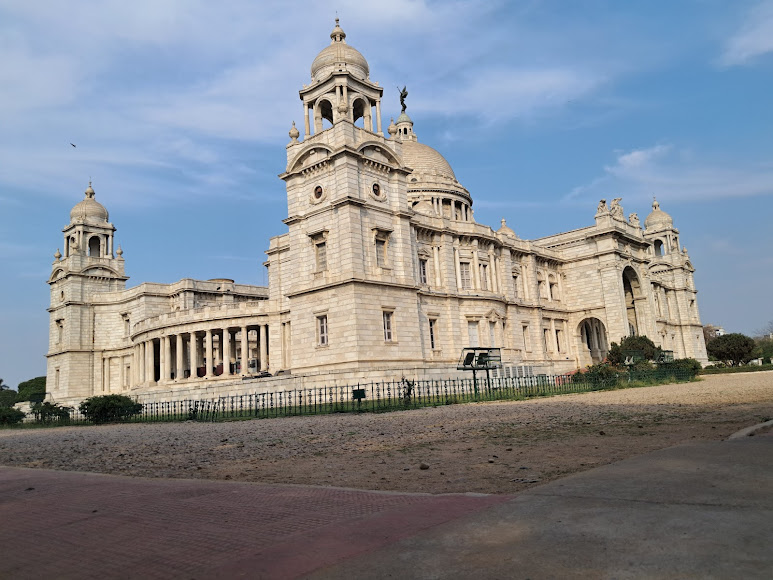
[[487, 447]]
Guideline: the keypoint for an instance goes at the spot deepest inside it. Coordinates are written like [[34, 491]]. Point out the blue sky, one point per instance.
[[180, 112]]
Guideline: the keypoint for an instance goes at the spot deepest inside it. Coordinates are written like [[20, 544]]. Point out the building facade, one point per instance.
[[383, 271]]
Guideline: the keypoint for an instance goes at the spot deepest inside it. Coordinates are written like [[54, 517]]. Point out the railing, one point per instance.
[[385, 396]]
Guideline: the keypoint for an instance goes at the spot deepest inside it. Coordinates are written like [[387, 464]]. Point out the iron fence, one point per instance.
[[384, 396]]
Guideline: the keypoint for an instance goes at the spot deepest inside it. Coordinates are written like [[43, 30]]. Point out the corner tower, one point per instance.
[[89, 265], [345, 267]]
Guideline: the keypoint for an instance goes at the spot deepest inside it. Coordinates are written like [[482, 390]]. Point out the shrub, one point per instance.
[[49, 412], [11, 416], [109, 408], [688, 364], [598, 373], [616, 355]]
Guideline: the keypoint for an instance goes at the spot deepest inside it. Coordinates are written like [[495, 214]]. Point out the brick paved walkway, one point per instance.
[[79, 525]]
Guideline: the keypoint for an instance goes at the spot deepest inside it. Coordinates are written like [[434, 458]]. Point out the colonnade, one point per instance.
[[458, 210], [202, 354]]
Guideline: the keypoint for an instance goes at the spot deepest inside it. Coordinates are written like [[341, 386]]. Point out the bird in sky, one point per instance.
[[73, 144]]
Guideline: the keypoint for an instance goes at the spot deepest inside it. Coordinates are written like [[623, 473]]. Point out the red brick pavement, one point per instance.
[[58, 524]]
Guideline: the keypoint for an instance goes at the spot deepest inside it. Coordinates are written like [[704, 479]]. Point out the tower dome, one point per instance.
[[89, 209], [658, 219], [339, 56]]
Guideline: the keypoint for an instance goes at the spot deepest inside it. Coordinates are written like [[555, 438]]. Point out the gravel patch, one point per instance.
[[498, 447]]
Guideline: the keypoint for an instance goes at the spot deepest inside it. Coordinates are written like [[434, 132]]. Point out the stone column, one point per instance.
[[209, 364], [491, 270], [553, 338], [106, 374], [306, 121], [475, 266], [166, 359], [150, 365], [194, 354], [245, 350], [122, 373], [456, 267], [378, 118], [226, 348], [436, 258], [179, 372], [263, 349]]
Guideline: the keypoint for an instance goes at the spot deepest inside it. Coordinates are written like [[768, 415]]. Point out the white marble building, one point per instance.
[[383, 271]]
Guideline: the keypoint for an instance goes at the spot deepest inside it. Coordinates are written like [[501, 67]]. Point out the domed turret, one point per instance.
[[658, 219], [505, 230], [89, 210], [339, 56]]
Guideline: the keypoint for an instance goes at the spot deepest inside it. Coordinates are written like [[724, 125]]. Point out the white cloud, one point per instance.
[[510, 92], [753, 39], [665, 171]]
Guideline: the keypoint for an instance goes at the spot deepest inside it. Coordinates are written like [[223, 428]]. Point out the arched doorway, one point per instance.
[[594, 346], [632, 291]]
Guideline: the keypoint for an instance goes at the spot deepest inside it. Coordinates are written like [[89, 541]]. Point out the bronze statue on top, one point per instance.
[[403, 94]]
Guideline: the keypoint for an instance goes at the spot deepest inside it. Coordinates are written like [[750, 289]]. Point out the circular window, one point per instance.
[[318, 192], [376, 189]]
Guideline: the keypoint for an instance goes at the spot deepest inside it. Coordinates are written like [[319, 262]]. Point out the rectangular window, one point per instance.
[[381, 253], [322, 330], [558, 340], [492, 333], [546, 339], [387, 326], [59, 331], [321, 251], [515, 285], [483, 277], [422, 271], [464, 270], [432, 323], [526, 338], [472, 333]]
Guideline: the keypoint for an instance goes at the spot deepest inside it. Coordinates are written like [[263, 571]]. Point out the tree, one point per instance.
[[617, 353], [764, 348], [32, 390], [734, 348], [7, 396]]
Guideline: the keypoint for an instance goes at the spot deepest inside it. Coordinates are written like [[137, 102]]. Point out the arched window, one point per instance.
[[658, 248], [94, 247], [632, 290]]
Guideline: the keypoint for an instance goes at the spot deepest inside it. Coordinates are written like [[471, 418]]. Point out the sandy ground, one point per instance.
[[487, 447]]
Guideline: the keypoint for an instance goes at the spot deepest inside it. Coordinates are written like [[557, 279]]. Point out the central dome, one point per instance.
[[423, 159], [339, 56], [658, 219]]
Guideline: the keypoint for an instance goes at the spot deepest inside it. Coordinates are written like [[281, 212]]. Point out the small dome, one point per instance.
[[89, 210], [658, 219], [403, 118], [339, 56], [505, 230]]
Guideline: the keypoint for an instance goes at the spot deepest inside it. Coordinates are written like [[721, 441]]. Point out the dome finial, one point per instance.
[[655, 204], [338, 34], [89, 190]]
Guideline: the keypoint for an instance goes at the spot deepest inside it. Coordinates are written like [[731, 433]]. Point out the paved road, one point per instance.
[[700, 510]]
